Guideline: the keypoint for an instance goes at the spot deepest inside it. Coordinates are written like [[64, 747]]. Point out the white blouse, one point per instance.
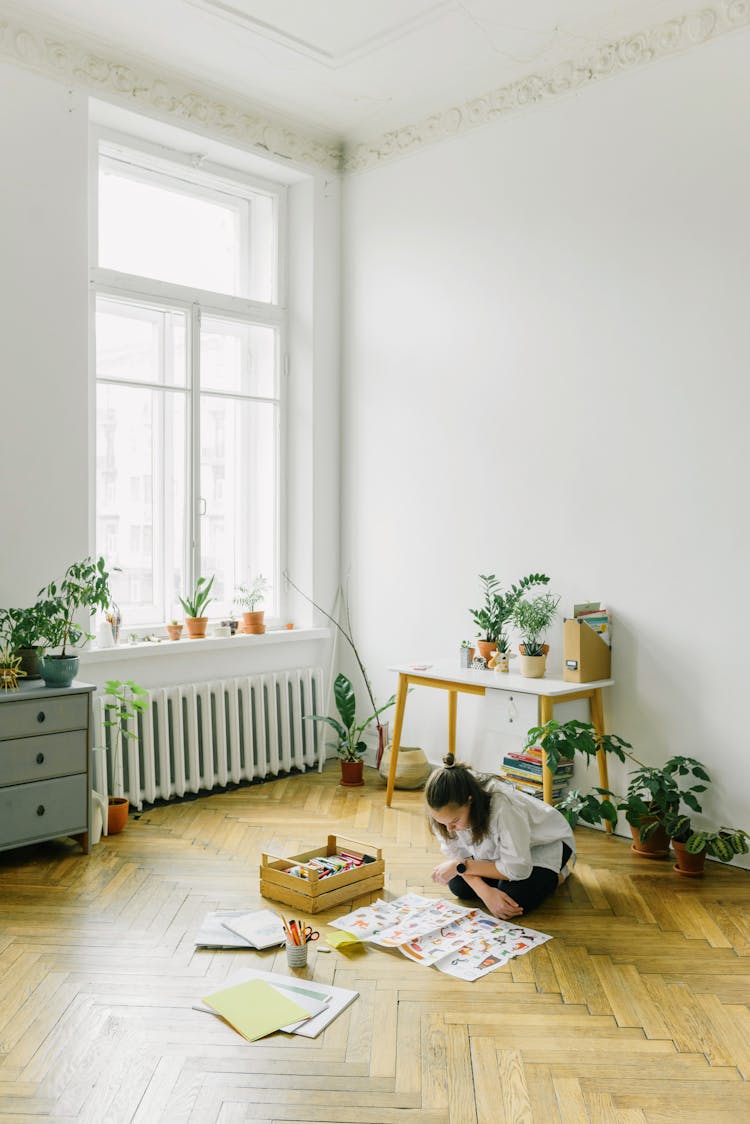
[[523, 832]]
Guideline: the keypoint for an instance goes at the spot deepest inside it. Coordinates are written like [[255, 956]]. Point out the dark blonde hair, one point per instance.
[[458, 785]]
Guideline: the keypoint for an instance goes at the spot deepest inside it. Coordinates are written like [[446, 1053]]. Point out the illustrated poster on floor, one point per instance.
[[455, 939]]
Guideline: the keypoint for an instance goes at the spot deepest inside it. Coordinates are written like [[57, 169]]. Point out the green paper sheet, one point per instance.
[[255, 1008]]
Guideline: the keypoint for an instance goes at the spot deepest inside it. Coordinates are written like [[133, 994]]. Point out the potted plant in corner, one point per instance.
[[532, 617], [653, 798], [691, 846], [85, 585], [249, 597], [123, 702], [350, 746], [497, 610], [194, 606]]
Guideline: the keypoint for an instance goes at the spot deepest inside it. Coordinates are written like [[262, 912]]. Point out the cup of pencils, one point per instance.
[[296, 944]]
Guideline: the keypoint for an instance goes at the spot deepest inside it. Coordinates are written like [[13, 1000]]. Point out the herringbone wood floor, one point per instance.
[[637, 1011]]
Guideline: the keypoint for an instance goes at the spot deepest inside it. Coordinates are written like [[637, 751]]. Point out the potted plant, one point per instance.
[[653, 798], [532, 617], [466, 653], [249, 597], [194, 605], [496, 611], [350, 746], [123, 702], [174, 629], [21, 631], [691, 846], [85, 585]]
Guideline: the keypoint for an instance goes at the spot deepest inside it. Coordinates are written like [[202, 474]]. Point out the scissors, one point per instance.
[[309, 934]]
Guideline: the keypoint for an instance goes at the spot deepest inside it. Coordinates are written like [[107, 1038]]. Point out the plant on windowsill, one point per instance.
[[496, 612], [350, 746], [174, 630], [691, 846], [194, 605], [123, 702], [85, 585], [533, 617], [248, 597]]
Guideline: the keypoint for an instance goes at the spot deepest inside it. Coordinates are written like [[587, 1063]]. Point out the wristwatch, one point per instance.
[[461, 868]]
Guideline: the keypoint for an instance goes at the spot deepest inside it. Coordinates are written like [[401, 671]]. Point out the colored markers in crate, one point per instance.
[[324, 866]]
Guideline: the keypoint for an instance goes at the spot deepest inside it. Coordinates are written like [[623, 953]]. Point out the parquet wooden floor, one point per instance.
[[638, 1010]]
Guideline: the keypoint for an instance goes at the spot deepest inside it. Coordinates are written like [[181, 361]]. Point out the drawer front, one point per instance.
[[43, 716], [38, 759], [43, 810], [512, 712]]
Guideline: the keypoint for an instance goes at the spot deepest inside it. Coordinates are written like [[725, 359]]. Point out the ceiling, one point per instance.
[[351, 69]]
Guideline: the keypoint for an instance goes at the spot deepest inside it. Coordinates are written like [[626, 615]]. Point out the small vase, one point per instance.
[[502, 662]]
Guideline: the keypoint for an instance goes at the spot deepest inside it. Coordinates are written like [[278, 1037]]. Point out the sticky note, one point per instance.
[[340, 939]]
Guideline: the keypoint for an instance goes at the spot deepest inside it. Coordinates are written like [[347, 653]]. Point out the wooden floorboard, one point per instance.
[[638, 1012]]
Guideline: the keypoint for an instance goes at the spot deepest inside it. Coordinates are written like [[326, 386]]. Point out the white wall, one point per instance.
[[43, 332], [545, 364]]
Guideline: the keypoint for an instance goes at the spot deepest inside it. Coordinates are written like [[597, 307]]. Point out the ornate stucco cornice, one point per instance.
[[604, 61], [172, 98]]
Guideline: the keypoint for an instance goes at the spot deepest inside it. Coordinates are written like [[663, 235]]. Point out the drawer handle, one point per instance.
[[40, 810], [39, 758], [41, 716]]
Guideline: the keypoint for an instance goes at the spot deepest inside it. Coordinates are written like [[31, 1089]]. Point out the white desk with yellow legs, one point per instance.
[[527, 703]]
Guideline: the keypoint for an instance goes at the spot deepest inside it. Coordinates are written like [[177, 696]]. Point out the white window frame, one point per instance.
[[211, 179]]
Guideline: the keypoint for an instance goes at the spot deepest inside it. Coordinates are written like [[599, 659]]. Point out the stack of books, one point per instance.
[[524, 771]]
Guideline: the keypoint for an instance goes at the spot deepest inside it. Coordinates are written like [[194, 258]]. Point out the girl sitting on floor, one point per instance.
[[504, 847]]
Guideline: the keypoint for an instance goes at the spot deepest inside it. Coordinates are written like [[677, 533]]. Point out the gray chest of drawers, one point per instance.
[[45, 788]]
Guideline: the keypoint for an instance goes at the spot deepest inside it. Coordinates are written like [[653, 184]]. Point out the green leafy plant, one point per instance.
[[561, 742], [21, 628], [586, 807], [248, 596], [532, 617], [722, 845], [196, 602], [350, 746], [497, 610], [123, 702], [654, 794], [85, 585]]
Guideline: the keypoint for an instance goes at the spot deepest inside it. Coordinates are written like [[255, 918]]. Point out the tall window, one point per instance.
[[189, 333]]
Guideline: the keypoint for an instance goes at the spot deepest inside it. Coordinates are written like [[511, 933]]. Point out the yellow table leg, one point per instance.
[[597, 721], [545, 715], [452, 711], [398, 722]]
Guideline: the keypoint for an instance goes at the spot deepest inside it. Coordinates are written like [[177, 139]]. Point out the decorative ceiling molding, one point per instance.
[[333, 60], [605, 61], [166, 96]]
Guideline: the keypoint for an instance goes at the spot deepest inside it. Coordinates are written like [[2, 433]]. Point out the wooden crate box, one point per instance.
[[313, 894]]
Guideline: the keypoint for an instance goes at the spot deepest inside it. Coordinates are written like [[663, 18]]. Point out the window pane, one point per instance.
[[141, 474], [166, 228], [238, 358], [140, 343], [238, 485]]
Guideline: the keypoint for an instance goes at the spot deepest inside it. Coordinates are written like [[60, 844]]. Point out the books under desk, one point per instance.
[[525, 772]]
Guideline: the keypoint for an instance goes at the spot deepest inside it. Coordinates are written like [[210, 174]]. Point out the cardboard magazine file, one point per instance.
[[586, 657], [314, 894]]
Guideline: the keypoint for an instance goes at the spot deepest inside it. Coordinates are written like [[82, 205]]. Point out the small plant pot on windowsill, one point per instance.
[[196, 627], [174, 631], [533, 667], [253, 623], [692, 866], [117, 814]]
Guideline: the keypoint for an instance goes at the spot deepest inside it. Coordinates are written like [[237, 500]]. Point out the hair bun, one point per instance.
[[449, 760]]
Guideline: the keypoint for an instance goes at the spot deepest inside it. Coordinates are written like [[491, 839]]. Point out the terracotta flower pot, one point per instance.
[[252, 623], [352, 773], [196, 627], [688, 864], [117, 814], [486, 648], [175, 631], [655, 847]]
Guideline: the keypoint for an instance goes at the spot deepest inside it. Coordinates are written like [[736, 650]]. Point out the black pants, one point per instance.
[[528, 893]]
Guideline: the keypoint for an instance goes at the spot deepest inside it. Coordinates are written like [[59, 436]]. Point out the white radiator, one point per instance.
[[201, 736]]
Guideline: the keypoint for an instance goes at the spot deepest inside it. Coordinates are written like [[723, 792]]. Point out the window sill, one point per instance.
[[183, 647]]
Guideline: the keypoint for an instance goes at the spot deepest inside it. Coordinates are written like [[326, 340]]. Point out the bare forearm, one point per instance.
[[482, 868]]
